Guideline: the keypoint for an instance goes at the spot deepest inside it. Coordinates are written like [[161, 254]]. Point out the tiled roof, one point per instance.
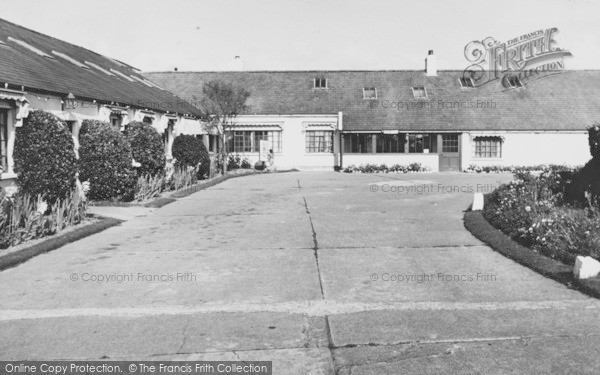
[[59, 69], [567, 100]]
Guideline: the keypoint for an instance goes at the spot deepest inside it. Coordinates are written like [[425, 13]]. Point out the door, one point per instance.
[[450, 152]]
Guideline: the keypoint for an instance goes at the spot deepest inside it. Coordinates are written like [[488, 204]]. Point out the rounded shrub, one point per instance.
[[260, 165], [191, 152], [45, 156], [105, 160], [147, 148]]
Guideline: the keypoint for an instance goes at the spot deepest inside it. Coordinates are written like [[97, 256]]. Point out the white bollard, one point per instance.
[[477, 202], [586, 267]]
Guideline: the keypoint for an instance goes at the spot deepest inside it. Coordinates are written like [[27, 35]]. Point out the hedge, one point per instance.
[[44, 156], [189, 151], [147, 148], [106, 162]]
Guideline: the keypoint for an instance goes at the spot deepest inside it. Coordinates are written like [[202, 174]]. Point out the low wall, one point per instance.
[[430, 160]]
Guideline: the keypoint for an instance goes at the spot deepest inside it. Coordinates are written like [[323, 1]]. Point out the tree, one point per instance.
[[222, 103]]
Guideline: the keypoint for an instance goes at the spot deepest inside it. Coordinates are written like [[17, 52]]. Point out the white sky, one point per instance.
[[198, 35]]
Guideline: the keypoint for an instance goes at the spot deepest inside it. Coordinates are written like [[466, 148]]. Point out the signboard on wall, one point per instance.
[[265, 146]]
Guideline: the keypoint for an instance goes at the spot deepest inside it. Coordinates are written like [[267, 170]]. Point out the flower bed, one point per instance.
[[383, 168], [474, 168], [534, 212], [24, 218]]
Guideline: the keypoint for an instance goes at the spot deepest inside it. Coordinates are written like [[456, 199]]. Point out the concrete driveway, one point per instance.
[[320, 272]]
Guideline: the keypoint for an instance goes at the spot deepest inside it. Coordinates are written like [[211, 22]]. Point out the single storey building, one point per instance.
[[74, 83], [442, 119]]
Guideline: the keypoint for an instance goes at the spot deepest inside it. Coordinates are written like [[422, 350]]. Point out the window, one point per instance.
[[148, 120], [369, 93], [319, 141], [116, 120], [487, 147], [514, 81], [419, 92], [390, 143], [422, 143], [358, 143], [4, 138], [320, 83], [272, 136], [466, 82], [449, 142], [249, 141], [213, 143]]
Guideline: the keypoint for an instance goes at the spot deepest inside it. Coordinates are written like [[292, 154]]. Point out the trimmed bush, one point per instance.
[[260, 165], [105, 161], [45, 157], [191, 152], [187, 149], [147, 148]]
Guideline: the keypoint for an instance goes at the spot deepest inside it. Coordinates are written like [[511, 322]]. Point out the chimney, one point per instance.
[[431, 64], [238, 64]]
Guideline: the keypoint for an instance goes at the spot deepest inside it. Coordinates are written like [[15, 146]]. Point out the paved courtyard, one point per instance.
[[320, 272]]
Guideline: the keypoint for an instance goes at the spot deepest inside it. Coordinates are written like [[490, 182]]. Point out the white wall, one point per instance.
[[534, 148], [293, 148]]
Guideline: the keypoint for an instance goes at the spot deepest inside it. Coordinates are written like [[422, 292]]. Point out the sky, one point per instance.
[[206, 35]]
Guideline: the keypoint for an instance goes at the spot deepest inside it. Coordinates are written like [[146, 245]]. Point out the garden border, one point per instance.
[[17, 257], [475, 222]]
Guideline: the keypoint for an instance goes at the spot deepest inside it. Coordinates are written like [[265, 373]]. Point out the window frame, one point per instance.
[[324, 147], [514, 81], [470, 85], [428, 141], [320, 86], [367, 89], [416, 89], [483, 147], [247, 141]]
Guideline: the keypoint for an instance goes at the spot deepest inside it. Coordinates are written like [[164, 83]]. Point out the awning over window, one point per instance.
[[319, 126], [12, 95]]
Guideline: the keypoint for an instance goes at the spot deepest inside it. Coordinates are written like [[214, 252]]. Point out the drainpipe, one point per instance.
[[341, 138]]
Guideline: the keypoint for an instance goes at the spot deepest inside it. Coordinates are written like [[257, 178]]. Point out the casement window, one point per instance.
[[358, 143], [319, 141], [369, 93], [466, 82], [487, 147], [272, 136], [249, 141], [514, 81], [148, 120], [320, 83], [419, 92], [422, 143], [390, 143], [4, 138]]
